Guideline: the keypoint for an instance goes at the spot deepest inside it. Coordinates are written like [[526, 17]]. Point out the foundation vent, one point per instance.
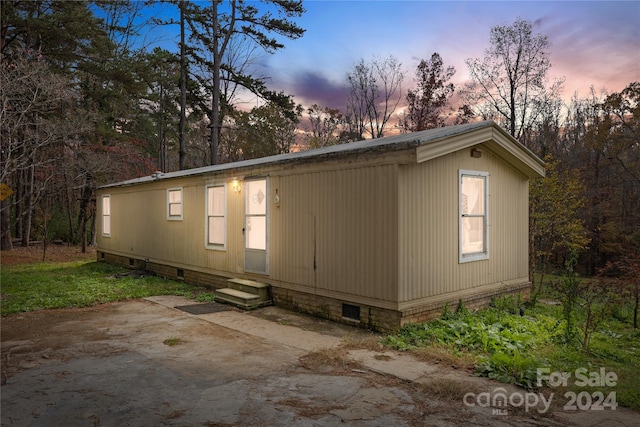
[[351, 312]]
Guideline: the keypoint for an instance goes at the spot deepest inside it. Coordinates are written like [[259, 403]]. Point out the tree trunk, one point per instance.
[[69, 208], [18, 205], [28, 206], [512, 113], [5, 206], [5, 225], [183, 92], [46, 222], [162, 155], [595, 209], [635, 308], [215, 98], [84, 236], [93, 230], [85, 201], [588, 326], [532, 258]]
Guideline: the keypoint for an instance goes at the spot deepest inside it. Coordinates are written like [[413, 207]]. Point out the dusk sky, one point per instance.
[[594, 43]]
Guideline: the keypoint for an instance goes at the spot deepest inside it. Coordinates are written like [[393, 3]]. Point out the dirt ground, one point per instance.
[[152, 362], [53, 253]]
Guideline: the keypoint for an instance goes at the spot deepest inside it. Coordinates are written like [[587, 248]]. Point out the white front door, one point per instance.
[[255, 226]]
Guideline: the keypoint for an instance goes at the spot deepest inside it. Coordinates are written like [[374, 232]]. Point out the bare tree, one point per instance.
[[375, 90], [512, 77], [35, 119], [425, 103]]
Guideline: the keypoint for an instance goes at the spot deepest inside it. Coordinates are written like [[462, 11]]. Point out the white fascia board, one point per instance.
[[494, 139]]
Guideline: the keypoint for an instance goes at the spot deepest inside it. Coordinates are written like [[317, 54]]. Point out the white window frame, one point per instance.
[[208, 215], [106, 215], [484, 254], [175, 217]]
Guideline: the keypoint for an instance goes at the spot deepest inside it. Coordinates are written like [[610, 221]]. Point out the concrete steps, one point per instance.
[[245, 294]]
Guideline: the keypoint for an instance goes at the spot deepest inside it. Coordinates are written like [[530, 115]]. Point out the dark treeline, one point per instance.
[[85, 103]]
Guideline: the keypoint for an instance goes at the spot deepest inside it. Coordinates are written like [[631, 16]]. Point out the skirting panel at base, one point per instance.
[[381, 319], [361, 315], [426, 313], [343, 311]]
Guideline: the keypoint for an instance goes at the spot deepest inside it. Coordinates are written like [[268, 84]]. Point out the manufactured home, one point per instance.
[[377, 233]]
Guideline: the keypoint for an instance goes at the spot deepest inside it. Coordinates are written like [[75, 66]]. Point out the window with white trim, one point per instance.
[[106, 215], [216, 217], [174, 203], [473, 215]]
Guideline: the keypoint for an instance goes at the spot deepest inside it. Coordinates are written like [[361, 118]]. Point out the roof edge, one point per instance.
[[429, 144], [496, 139]]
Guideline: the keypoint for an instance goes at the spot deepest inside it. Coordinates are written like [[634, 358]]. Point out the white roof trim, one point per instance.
[[494, 139]]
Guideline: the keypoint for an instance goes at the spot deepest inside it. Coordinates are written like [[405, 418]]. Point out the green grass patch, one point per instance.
[[206, 297], [29, 287], [510, 348], [172, 341]]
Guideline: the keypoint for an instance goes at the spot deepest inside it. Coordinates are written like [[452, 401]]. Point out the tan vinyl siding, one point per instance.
[[293, 221], [344, 221], [428, 224], [140, 227]]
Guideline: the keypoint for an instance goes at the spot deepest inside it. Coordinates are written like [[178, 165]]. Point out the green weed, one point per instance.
[[205, 297], [511, 368], [172, 342], [510, 348]]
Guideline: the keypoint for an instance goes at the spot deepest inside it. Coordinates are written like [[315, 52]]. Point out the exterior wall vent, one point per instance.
[[180, 273], [351, 312]]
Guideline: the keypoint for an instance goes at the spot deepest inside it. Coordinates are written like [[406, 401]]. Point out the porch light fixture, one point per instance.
[[276, 199], [235, 185]]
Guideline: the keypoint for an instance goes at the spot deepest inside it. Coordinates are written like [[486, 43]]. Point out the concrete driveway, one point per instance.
[[148, 363]]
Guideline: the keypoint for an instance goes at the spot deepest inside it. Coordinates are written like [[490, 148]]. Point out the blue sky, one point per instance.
[[594, 43]]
